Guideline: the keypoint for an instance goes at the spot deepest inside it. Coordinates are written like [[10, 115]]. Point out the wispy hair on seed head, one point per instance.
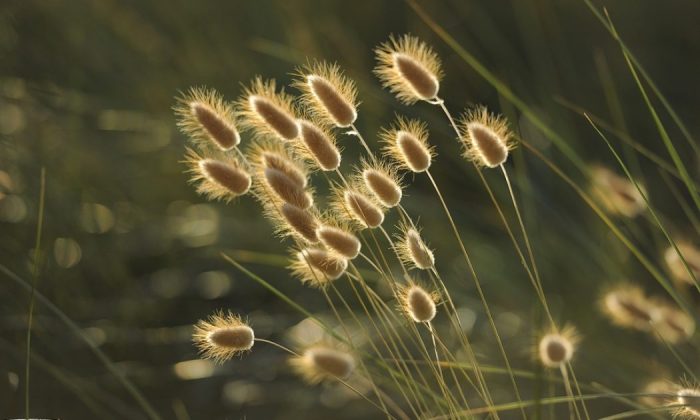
[[419, 78], [419, 304], [617, 194], [327, 93], [316, 266], [291, 221], [280, 117], [207, 119], [406, 144], [353, 202], [322, 362], [487, 140], [318, 146], [217, 176], [412, 249], [627, 306], [337, 235], [222, 336], [381, 180], [557, 347]]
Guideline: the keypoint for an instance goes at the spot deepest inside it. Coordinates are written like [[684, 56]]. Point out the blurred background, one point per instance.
[[132, 254]]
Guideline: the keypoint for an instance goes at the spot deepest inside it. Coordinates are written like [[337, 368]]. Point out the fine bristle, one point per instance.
[[317, 267], [413, 250], [409, 69], [217, 176], [486, 137], [327, 93], [287, 189], [353, 204], [691, 255], [406, 143], [207, 119], [222, 336], [557, 348], [301, 222], [268, 112], [617, 194], [417, 303], [340, 241], [318, 146], [320, 362], [688, 400]]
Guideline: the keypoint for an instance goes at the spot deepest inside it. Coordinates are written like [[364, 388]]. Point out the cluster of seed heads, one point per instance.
[[290, 138]]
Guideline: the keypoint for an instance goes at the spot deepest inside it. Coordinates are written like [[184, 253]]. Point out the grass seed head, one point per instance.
[[206, 118], [217, 176], [317, 267], [413, 250], [627, 306], [320, 362], [419, 304], [383, 183], [328, 93], [675, 264], [268, 112], [487, 139], [301, 222], [673, 324], [223, 336], [689, 399], [339, 240], [318, 146], [617, 194], [409, 68], [287, 189], [406, 143], [557, 348], [352, 203]]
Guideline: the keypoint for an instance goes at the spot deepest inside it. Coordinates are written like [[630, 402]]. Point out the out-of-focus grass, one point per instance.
[[132, 254]]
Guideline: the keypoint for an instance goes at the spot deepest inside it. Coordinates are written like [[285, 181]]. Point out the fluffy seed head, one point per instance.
[[557, 348], [689, 398], [320, 362], [675, 264], [318, 145], [206, 118], [317, 267], [413, 250], [299, 222], [383, 183], [618, 195], [339, 241], [628, 307], [419, 304], [352, 203], [329, 95], [409, 69], [217, 176], [222, 336], [673, 325], [268, 112], [287, 189], [659, 387], [487, 139], [406, 143]]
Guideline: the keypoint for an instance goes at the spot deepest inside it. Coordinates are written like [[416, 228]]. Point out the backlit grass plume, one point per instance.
[[321, 362], [223, 336], [487, 138], [328, 94], [267, 111], [207, 119], [217, 176], [406, 143]]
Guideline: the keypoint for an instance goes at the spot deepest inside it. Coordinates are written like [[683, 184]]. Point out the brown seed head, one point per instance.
[[302, 222], [628, 307], [689, 399], [487, 139], [673, 325], [321, 362], [318, 267], [407, 144], [556, 349], [267, 111], [418, 304], [413, 250], [328, 94], [217, 176], [618, 195], [362, 209], [339, 240], [206, 118], [222, 336], [409, 68], [675, 264], [384, 185], [318, 146], [287, 189]]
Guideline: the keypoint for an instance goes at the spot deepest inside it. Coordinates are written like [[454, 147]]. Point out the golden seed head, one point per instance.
[[413, 250], [673, 325], [617, 194], [675, 264], [689, 400], [627, 306], [287, 189], [318, 267], [352, 203], [320, 362], [206, 118], [268, 112], [327, 93], [339, 240], [486, 137], [556, 349], [302, 223], [383, 184], [418, 304], [285, 165], [217, 176], [409, 69], [318, 145], [406, 143], [222, 336]]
